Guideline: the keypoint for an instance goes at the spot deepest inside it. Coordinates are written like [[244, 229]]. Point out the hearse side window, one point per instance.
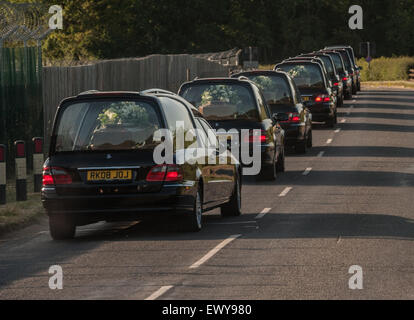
[[176, 111]]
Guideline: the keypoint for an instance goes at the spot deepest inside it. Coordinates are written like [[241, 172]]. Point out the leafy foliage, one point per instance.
[[108, 29]]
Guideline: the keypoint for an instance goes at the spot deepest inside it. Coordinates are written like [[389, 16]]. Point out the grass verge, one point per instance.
[[15, 215], [389, 84], [386, 69]]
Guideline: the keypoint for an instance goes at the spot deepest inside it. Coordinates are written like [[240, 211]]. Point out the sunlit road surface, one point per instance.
[[349, 201]]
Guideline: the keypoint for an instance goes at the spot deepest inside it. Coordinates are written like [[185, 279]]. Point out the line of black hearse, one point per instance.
[[101, 164]]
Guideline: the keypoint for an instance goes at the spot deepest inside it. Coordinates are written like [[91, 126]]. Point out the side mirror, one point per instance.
[[280, 117]]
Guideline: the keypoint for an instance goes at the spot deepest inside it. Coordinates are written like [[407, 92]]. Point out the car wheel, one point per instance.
[[330, 123], [269, 173], [310, 139], [62, 227], [280, 166], [233, 207], [354, 90], [194, 220], [301, 146]]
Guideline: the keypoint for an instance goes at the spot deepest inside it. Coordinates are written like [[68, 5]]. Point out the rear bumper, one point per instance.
[[170, 200], [322, 112], [294, 133]]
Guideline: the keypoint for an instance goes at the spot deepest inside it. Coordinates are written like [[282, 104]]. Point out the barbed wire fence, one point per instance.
[[23, 26]]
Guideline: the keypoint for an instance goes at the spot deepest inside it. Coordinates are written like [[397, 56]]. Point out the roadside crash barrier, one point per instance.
[[21, 170], [2, 174], [38, 161]]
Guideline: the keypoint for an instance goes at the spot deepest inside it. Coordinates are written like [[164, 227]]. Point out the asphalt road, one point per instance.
[[349, 201]]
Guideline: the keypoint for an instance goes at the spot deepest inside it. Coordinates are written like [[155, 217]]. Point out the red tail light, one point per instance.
[[293, 117], [345, 78], [336, 84], [164, 172], [256, 137], [55, 175], [322, 98]]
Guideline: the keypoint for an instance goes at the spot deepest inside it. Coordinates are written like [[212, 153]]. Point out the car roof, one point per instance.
[[219, 80], [253, 72], [149, 93]]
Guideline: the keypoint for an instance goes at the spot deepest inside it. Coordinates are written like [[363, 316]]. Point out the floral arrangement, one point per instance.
[[264, 83], [221, 93], [122, 113], [297, 71]]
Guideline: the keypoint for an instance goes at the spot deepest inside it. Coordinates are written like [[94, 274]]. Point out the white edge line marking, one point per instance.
[[213, 251], [329, 141], [159, 293], [307, 171], [320, 155], [285, 192], [263, 213]]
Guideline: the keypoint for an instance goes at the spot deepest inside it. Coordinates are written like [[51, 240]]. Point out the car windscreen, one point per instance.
[[306, 76], [275, 89], [105, 125], [222, 101]]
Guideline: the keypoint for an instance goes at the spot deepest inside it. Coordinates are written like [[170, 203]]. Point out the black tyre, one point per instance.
[[301, 146], [194, 220], [310, 139], [354, 89], [330, 123], [268, 172], [280, 165], [62, 227], [233, 207]]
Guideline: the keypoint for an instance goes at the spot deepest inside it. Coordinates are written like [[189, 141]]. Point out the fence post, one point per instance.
[[21, 173], [38, 161], [2, 174]]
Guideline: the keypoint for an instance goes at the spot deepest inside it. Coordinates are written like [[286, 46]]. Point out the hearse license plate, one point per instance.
[[109, 175]]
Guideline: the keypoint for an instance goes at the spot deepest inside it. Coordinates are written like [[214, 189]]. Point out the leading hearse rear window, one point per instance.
[[107, 125], [222, 101]]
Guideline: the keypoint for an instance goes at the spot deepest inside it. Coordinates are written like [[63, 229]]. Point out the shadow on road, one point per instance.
[[315, 225], [378, 115], [376, 127], [365, 151]]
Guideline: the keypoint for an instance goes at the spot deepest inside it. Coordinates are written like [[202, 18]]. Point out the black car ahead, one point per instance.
[[314, 89], [325, 72], [102, 164], [351, 54], [343, 73], [333, 74], [238, 104], [350, 68], [282, 96]]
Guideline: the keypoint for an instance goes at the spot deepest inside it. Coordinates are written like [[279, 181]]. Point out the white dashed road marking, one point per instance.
[[337, 130], [159, 293], [329, 141], [307, 171], [263, 213], [212, 252], [320, 155], [285, 192]]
